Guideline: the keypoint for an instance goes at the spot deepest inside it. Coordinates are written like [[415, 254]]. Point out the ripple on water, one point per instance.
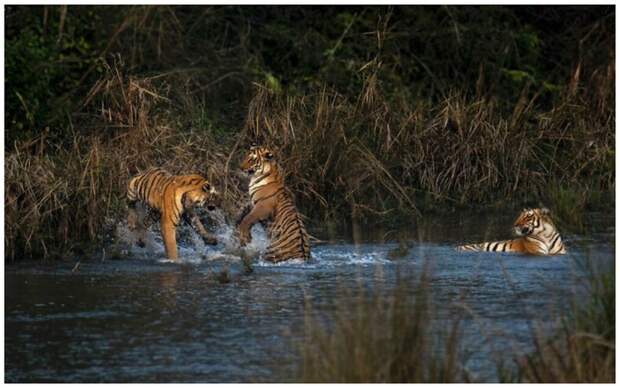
[[148, 320], [63, 316]]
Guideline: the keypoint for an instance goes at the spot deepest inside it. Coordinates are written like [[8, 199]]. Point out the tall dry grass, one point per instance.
[[374, 154], [582, 349], [376, 338], [64, 199], [368, 336], [371, 157]]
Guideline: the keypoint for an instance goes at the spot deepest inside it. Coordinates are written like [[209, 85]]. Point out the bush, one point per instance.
[[383, 114]]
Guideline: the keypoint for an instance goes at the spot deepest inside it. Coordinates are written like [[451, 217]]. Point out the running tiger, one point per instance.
[[173, 197], [538, 236], [272, 204]]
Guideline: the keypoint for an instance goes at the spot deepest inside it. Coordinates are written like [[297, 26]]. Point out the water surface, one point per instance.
[[148, 320]]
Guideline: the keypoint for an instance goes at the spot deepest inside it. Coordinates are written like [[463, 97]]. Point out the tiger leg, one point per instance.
[[273, 257], [257, 213], [135, 221], [168, 232], [195, 222], [244, 212]]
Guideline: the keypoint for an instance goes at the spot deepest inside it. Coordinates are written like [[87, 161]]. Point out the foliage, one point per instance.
[[376, 112], [420, 51], [48, 51]]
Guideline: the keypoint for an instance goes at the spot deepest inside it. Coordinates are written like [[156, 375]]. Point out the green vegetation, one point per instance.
[[377, 113], [397, 337]]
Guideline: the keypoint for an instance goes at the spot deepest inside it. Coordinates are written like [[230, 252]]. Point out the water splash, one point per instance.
[[336, 255], [126, 241], [190, 246], [192, 250], [228, 242]]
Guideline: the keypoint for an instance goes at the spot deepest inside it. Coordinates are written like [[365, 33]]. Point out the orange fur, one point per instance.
[[272, 203], [538, 236], [172, 196]]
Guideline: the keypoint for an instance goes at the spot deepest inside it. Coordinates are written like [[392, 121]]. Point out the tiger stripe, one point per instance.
[[174, 196], [539, 236], [272, 202]]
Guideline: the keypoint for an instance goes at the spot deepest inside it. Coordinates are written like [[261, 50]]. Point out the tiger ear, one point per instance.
[[268, 155], [544, 211], [206, 187]]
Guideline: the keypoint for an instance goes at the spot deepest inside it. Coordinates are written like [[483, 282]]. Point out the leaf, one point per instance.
[[517, 75], [272, 83]]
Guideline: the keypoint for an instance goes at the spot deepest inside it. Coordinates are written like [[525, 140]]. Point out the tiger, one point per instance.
[[173, 197], [272, 205], [538, 236]]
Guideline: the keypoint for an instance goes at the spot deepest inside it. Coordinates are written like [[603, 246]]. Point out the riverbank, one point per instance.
[[63, 194], [371, 123]]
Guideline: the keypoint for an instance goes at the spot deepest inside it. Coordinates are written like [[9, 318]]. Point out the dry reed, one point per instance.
[[370, 157]]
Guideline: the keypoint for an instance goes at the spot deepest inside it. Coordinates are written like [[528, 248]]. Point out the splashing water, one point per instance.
[[228, 243], [190, 246], [192, 249]]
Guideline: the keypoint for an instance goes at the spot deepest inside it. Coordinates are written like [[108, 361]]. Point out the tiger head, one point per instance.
[[258, 160], [204, 196], [532, 221]]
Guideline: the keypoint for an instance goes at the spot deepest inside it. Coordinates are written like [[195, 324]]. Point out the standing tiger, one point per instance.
[[272, 204], [173, 197], [538, 236]]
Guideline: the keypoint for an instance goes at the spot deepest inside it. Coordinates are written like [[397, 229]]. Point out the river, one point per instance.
[[144, 319]]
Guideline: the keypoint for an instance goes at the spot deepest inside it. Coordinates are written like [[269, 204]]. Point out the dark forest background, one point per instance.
[[377, 113]]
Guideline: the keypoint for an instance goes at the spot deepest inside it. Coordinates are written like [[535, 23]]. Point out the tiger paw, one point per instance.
[[244, 239]]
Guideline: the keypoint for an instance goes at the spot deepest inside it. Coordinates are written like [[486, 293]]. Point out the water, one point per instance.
[[145, 319]]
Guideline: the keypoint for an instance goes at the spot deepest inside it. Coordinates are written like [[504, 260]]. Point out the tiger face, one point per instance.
[[257, 161], [530, 221], [205, 196]]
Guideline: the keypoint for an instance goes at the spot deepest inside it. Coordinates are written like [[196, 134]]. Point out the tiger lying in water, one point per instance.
[[538, 236], [272, 205], [173, 197]]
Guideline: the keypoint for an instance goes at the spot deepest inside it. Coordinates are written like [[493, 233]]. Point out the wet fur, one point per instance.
[[170, 198], [272, 206]]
